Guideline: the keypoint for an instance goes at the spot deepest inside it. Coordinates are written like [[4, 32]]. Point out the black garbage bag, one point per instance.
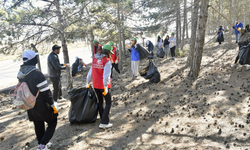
[[220, 37], [151, 56], [244, 55], [84, 105], [142, 52], [151, 72], [160, 53]]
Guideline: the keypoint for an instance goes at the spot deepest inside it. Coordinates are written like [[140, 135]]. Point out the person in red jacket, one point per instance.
[[96, 47], [99, 73], [115, 59]]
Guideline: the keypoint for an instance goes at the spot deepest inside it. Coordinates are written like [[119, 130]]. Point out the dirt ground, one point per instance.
[[176, 114]]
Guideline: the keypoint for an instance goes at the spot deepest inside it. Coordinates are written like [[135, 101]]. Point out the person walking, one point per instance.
[[115, 59], [54, 72], [172, 45], [45, 109], [159, 42], [166, 46], [135, 59], [99, 73], [236, 27], [96, 47]]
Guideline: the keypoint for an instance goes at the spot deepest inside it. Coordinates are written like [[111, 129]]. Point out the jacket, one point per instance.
[[54, 66], [150, 46], [166, 42], [135, 56], [160, 43], [100, 72], [245, 35], [115, 55], [172, 41], [35, 80], [240, 25], [97, 49]]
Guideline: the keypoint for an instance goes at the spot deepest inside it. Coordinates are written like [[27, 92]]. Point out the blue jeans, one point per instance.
[[237, 36], [166, 49]]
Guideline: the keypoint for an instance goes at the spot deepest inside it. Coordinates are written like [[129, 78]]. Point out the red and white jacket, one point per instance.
[[100, 72], [115, 55]]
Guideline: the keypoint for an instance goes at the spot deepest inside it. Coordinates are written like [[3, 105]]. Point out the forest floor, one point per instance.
[[177, 113]]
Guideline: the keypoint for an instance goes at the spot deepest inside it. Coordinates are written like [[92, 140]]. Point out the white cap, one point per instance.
[[29, 54], [147, 43]]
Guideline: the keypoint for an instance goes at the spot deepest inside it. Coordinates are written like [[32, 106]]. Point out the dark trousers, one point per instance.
[[104, 112], [238, 56], [172, 51], [44, 136], [114, 65], [57, 92]]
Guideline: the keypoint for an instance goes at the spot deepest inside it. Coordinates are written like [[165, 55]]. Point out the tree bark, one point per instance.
[[193, 32], [123, 33], [184, 24], [38, 58], [230, 19], [119, 30], [64, 44], [177, 6], [195, 68]]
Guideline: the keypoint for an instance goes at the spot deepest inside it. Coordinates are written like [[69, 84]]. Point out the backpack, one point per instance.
[[22, 97]]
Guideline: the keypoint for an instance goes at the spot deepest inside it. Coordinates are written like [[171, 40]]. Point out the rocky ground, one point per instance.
[[177, 113]]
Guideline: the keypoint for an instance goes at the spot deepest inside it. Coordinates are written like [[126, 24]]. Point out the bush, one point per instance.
[[181, 53]]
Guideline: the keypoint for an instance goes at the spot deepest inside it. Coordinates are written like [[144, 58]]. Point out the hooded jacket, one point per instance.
[[35, 80], [100, 72]]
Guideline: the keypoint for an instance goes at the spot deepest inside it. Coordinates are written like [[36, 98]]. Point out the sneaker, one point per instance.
[[233, 65], [61, 99], [43, 147], [105, 125], [48, 145]]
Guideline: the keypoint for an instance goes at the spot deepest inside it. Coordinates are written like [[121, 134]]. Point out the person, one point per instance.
[[78, 66], [114, 60], [45, 109], [135, 59], [150, 46], [96, 47], [236, 27], [99, 73], [159, 42], [243, 41], [54, 72], [166, 45], [221, 30], [172, 45]]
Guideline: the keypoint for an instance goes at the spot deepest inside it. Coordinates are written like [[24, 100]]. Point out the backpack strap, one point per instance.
[[37, 93]]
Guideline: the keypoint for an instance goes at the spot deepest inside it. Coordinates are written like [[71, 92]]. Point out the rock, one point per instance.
[[172, 131], [1, 138], [220, 132], [227, 146], [19, 113]]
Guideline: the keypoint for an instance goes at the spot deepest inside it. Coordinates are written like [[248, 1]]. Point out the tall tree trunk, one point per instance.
[[123, 32], [38, 58], [119, 29], [179, 21], [230, 20], [177, 7], [184, 24], [193, 32], [92, 38], [64, 45], [195, 68], [245, 10], [234, 17]]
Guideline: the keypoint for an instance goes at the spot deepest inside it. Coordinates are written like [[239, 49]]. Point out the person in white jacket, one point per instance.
[[172, 45], [159, 42]]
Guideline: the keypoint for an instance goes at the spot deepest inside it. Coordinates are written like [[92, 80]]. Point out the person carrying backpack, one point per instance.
[[45, 109], [99, 73]]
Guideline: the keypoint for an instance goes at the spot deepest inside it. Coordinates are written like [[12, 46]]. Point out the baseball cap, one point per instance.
[[248, 23], [108, 47], [134, 39], [111, 43], [159, 36], [28, 55], [56, 47], [172, 33], [94, 41]]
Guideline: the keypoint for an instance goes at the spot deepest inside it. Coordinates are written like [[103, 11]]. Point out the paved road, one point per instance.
[[9, 68]]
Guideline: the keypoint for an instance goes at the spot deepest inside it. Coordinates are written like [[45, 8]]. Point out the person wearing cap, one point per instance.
[[159, 42], [221, 30], [54, 72], [99, 74], [172, 45], [115, 59], [96, 47], [45, 109], [236, 27], [135, 59]]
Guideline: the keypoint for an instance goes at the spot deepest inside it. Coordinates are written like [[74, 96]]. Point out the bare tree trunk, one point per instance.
[[195, 68], [245, 10], [123, 33], [230, 19], [177, 7], [119, 29], [38, 58], [193, 32], [234, 19], [64, 44], [179, 22], [184, 24], [92, 38]]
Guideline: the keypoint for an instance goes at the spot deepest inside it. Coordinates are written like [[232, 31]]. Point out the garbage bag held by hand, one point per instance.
[[220, 37], [160, 53], [84, 105], [244, 55], [142, 52], [151, 56], [151, 72]]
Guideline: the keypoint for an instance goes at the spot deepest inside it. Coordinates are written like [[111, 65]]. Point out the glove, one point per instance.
[[87, 86], [116, 62], [55, 107], [105, 91], [129, 47]]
